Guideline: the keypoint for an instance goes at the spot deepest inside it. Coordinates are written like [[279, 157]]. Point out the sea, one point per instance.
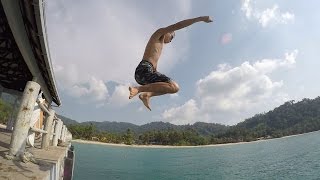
[[294, 157]]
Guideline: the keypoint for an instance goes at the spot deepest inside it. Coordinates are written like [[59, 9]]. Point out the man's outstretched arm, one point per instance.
[[182, 24]]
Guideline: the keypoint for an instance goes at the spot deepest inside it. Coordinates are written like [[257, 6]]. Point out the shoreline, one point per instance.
[[151, 146], [169, 146]]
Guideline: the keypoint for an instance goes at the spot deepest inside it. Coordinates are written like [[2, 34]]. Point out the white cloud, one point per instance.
[[287, 17], [269, 65], [268, 16], [106, 41], [184, 114], [246, 7], [94, 90], [228, 95], [120, 96], [86, 89]]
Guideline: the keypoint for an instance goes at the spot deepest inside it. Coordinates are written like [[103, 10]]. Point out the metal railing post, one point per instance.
[[22, 122]]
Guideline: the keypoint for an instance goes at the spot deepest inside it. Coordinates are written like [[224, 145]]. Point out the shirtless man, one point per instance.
[[152, 82]]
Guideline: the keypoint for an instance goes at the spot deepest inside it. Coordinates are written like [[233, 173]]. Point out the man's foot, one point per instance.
[[133, 91], [145, 99]]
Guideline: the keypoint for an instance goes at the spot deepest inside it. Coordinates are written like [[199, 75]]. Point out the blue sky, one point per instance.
[[255, 56]]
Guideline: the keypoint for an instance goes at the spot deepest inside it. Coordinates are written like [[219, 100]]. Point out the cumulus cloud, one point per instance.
[[267, 16], [246, 7], [230, 94], [182, 114], [269, 65], [89, 89], [104, 40], [86, 89], [120, 96], [95, 89]]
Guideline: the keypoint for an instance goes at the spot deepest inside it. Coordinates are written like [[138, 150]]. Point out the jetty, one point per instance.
[[34, 142]]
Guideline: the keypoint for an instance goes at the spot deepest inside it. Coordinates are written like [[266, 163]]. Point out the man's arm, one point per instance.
[[182, 24]]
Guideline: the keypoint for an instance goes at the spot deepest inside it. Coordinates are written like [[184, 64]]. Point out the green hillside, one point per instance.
[[288, 119]]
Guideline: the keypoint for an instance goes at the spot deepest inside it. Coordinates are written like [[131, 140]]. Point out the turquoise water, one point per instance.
[[296, 157]]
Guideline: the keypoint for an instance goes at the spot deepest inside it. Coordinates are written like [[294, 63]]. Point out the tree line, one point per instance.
[[163, 137], [288, 119]]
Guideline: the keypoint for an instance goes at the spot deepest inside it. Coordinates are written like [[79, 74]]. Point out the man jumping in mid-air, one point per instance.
[[152, 82]]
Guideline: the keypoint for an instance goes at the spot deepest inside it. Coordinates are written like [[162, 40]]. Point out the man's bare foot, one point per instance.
[[145, 99], [133, 91]]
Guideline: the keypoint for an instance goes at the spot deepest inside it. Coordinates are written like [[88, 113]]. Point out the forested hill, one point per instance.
[[67, 121], [287, 119], [122, 127]]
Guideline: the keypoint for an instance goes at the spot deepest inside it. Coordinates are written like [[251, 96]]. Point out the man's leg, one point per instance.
[[145, 97], [159, 88], [153, 89]]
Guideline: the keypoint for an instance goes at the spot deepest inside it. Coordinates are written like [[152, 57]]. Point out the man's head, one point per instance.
[[168, 37]]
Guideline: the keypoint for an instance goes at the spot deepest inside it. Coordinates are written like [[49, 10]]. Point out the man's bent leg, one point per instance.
[[159, 88], [151, 90], [145, 98]]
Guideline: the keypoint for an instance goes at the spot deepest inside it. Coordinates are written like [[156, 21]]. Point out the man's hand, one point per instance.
[[206, 19]]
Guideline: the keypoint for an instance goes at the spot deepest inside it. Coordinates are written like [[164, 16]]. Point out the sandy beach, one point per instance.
[[168, 146], [153, 146]]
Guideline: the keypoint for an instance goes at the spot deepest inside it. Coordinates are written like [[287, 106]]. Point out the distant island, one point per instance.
[[291, 118]]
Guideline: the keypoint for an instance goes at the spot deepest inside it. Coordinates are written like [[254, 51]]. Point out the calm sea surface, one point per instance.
[[296, 157]]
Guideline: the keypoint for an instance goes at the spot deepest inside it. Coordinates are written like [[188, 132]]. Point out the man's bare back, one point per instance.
[[152, 82]]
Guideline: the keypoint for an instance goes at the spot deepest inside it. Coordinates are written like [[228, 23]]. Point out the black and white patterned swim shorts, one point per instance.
[[145, 74]]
